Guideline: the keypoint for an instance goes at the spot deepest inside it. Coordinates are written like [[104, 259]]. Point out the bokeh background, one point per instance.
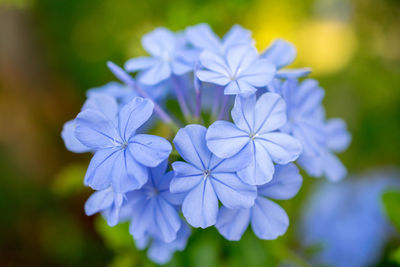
[[52, 51]]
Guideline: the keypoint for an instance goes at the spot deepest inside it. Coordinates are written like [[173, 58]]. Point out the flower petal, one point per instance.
[[96, 131], [239, 87], [268, 219], [149, 150], [139, 63], [284, 185], [215, 63], [98, 175], [133, 115], [157, 73], [167, 220], [241, 160], [224, 139], [159, 41], [237, 35], [200, 206], [232, 223], [270, 113], [212, 77], [260, 170], [99, 201], [142, 218], [338, 138], [191, 145], [243, 112], [104, 103], [240, 58], [282, 147], [232, 192], [334, 169], [259, 74], [70, 140], [186, 177], [202, 36], [280, 53], [293, 73]]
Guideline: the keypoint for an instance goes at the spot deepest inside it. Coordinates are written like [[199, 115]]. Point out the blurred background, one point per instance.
[[52, 51]]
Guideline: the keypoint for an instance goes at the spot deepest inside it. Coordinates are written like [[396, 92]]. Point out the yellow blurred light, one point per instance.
[[325, 46]]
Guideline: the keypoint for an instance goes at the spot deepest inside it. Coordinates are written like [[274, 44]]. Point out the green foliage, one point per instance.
[[391, 200]]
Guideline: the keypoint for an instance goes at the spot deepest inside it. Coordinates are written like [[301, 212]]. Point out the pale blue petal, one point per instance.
[[180, 66], [159, 42], [293, 73], [70, 140], [149, 150], [311, 135], [127, 174], [139, 63], [191, 145], [98, 174], [187, 177], [240, 58], [113, 215], [157, 73], [241, 160], [212, 77], [157, 176], [268, 219], [243, 112], [103, 103], [99, 201], [280, 53], [334, 169], [270, 113], [232, 223], [285, 184], [282, 147], [338, 138], [142, 217], [133, 115], [96, 131], [239, 87], [260, 170], [231, 191], [142, 243], [311, 164], [167, 220], [215, 63], [237, 35], [200, 206], [225, 140], [202, 36], [259, 74]]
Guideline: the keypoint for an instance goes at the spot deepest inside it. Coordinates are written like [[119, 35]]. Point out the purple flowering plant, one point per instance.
[[243, 121]]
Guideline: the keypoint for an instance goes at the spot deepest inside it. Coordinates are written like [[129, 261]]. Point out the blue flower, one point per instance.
[[202, 37], [154, 209], [122, 156], [169, 55], [305, 120], [104, 104], [106, 201], [255, 130], [240, 70], [346, 218], [268, 220], [205, 179], [161, 252], [282, 53], [326, 163]]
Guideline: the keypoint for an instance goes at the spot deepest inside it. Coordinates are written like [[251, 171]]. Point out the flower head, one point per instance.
[[268, 220], [205, 179], [255, 129], [239, 70]]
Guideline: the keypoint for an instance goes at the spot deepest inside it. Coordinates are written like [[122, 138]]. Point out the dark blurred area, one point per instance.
[[51, 52]]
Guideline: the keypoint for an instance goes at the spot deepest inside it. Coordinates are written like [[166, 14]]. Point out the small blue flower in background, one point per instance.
[[327, 163], [206, 179], [106, 201], [239, 70], [347, 219], [122, 157], [202, 37], [154, 209], [169, 55], [268, 220], [282, 53], [255, 129]]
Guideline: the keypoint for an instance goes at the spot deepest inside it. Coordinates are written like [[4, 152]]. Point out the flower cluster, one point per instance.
[[224, 175]]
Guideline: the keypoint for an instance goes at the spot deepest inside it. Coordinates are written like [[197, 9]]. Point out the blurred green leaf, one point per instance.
[[391, 200], [117, 237], [69, 180], [395, 256]]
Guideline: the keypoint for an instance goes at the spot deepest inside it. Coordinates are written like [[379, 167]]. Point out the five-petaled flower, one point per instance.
[[206, 179], [240, 70], [255, 131], [121, 156]]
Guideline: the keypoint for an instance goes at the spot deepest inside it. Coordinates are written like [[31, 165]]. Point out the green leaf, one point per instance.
[[69, 180], [395, 256], [391, 200]]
